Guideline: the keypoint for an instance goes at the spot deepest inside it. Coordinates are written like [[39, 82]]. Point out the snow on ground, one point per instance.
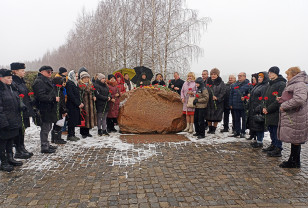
[[120, 153]]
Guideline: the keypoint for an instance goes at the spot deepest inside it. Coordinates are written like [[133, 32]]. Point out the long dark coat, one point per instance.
[[114, 107], [213, 114], [145, 82], [177, 83], [73, 103], [45, 95], [101, 94], [272, 104], [87, 94], [62, 105], [21, 87], [10, 116], [255, 105]]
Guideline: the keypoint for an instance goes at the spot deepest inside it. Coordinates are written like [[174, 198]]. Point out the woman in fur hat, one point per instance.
[[88, 111]]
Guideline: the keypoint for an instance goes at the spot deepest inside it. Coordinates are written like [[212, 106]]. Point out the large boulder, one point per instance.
[[151, 110]]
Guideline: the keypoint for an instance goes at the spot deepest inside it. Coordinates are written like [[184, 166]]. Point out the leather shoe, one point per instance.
[[48, 151], [53, 147]]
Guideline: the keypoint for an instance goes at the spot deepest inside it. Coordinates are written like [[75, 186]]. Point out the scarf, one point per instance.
[[71, 76], [128, 84]]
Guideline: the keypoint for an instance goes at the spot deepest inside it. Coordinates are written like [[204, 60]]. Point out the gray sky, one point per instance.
[[244, 35]]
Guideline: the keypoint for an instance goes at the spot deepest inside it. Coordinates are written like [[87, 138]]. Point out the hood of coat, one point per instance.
[[300, 77], [266, 78], [214, 82], [279, 79], [118, 74]]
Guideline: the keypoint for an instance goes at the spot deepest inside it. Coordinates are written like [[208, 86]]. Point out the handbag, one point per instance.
[[83, 121], [190, 102]]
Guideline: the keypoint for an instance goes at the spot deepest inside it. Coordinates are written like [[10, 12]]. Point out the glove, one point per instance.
[[23, 107], [195, 101]]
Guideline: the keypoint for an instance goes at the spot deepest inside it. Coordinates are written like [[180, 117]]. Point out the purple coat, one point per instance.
[[185, 96], [293, 120]]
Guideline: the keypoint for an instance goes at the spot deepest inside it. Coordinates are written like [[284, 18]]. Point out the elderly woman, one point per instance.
[[188, 91], [159, 80], [293, 121], [87, 97], [215, 107]]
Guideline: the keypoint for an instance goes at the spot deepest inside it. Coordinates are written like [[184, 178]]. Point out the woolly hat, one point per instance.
[[84, 74], [5, 73], [45, 68], [100, 76], [200, 81], [274, 69], [17, 65], [62, 70], [261, 74], [110, 76]]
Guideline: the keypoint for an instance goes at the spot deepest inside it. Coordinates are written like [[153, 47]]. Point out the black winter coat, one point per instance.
[[214, 114], [271, 104], [45, 95], [177, 83], [101, 94], [162, 83], [236, 94], [255, 105], [10, 116], [72, 104]]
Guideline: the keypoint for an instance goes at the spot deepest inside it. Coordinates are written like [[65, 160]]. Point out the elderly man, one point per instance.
[[227, 109], [236, 101], [46, 98], [205, 76]]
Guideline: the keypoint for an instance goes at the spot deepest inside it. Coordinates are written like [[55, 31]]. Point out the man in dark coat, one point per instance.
[[18, 70], [10, 120], [227, 109], [271, 110], [176, 84], [46, 101], [205, 76], [236, 102]]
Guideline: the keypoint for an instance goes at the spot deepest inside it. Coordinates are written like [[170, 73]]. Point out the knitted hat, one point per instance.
[[45, 68], [274, 69], [84, 74], [110, 76], [62, 70], [261, 75], [100, 76], [17, 65]]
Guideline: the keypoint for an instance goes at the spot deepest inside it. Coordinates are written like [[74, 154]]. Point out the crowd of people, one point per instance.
[[73, 99]]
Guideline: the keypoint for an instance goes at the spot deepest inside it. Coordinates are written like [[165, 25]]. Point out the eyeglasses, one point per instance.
[[48, 71]]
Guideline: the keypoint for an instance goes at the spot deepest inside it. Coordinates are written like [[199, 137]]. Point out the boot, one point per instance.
[[252, 137], [21, 152], [23, 148], [5, 166], [294, 159], [210, 130], [187, 128], [269, 148], [56, 137], [105, 133], [11, 160], [100, 132], [213, 130], [274, 153], [224, 130], [191, 128]]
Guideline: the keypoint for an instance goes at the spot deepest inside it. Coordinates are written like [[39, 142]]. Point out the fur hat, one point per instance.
[[62, 70], [5, 73], [45, 68], [17, 65], [274, 69], [110, 76], [84, 74], [100, 76], [215, 71]]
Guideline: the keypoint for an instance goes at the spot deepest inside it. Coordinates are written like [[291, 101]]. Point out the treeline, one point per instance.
[[159, 34]]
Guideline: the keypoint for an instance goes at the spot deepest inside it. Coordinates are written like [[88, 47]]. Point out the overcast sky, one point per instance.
[[244, 35]]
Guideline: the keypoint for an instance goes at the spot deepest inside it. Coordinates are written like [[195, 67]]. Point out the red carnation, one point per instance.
[[31, 93], [210, 85], [22, 95], [197, 96], [140, 86], [169, 80], [164, 85], [246, 97], [93, 88], [150, 85], [275, 93], [134, 88], [260, 98], [110, 91], [189, 89], [119, 86], [58, 85], [80, 86], [265, 98], [237, 87], [249, 83], [253, 84], [207, 85]]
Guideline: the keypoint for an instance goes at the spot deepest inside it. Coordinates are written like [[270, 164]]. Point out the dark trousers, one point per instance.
[[84, 131], [199, 121], [19, 140], [240, 121], [71, 131], [226, 118], [6, 145], [273, 134]]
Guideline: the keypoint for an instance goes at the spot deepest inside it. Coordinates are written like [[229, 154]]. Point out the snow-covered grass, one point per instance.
[[120, 154]]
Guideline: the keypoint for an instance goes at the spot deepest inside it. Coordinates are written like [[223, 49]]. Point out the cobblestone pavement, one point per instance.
[[183, 174]]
